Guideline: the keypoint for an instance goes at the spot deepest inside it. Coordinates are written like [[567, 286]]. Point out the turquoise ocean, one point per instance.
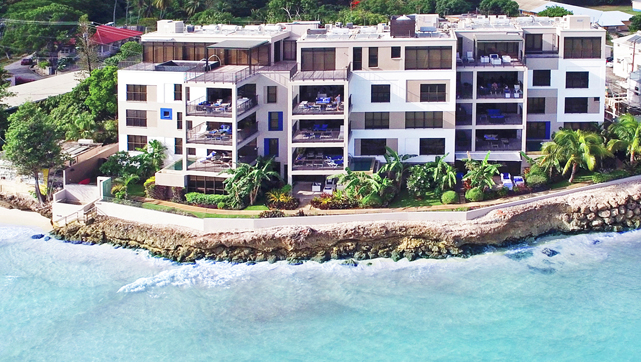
[[65, 302]]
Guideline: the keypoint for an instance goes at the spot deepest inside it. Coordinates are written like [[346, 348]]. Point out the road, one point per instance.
[[22, 71]]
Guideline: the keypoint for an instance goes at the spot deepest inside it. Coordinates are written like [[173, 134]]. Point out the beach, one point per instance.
[[17, 217]]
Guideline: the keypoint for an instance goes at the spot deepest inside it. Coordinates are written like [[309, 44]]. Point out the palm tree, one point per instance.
[[481, 173], [247, 180], [628, 137], [235, 186], [162, 5], [260, 173], [362, 185], [577, 149], [395, 167], [442, 173], [194, 6]]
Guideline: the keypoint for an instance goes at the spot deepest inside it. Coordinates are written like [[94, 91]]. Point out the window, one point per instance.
[[576, 79], [373, 57], [289, 50], [178, 146], [576, 105], [318, 59], [205, 185], [275, 121], [376, 120], [432, 146], [179, 120], [165, 113], [271, 147], [396, 52], [178, 92], [189, 124], [271, 94], [533, 43], [424, 119], [536, 105], [582, 48], [277, 51], [541, 78], [191, 151], [134, 142], [433, 93], [357, 63], [371, 147], [136, 118], [585, 126], [428, 58], [136, 92], [503, 48], [380, 93], [187, 93], [538, 130]]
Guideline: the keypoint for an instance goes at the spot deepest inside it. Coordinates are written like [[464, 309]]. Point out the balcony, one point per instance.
[[202, 107], [319, 107], [205, 165], [499, 114], [318, 159], [318, 136], [323, 75], [204, 134], [488, 62], [498, 140], [225, 74]]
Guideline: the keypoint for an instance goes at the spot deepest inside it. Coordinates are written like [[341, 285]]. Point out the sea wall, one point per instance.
[[611, 208]]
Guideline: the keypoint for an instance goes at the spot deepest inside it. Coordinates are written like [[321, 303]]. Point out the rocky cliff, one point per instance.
[[612, 208]]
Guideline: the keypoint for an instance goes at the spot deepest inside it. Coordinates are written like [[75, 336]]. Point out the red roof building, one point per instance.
[[109, 38]]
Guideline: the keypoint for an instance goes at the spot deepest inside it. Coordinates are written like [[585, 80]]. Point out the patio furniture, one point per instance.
[[506, 180], [507, 92], [495, 115], [326, 135], [485, 60], [490, 137], [458, 58], [470, 57], [323, 100], [328, 190], [495, 59], [507, 59], [316, 187], [518, 181], [317, 107], [505, 142]]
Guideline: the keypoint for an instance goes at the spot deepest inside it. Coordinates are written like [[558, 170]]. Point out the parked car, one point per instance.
[[26, 61]]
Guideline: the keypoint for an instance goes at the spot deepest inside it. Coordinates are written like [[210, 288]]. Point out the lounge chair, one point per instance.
[[518, 181]]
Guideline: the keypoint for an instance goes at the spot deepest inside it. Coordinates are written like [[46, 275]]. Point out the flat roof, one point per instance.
[[238, 44], [42, 89], [494, 37]]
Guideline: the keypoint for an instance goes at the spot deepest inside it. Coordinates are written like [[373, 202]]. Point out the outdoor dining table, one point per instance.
[[325, 100]]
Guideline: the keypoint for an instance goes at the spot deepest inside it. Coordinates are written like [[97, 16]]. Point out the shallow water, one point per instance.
[[60, 301]]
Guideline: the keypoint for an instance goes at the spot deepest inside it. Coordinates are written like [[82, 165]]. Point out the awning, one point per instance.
[[237, 44], [494, 156], [497, 37]]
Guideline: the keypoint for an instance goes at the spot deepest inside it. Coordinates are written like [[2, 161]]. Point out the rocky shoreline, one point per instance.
[[612, 208], [13, 201]]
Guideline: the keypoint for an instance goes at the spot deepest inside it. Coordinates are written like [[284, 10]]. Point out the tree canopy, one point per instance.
[[102, 97], [635, 23], [555, 12], [499, 7]]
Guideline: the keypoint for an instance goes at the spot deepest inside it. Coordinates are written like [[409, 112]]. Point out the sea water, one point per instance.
[[65, 302]]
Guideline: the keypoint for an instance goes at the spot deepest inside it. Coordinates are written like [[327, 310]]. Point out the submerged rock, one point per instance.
[[47, 238], [37, 236], [350, 262], [544, 271], [520, 254], [549, 252]]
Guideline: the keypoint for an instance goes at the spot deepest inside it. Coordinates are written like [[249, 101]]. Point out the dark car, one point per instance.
[[26, 61]]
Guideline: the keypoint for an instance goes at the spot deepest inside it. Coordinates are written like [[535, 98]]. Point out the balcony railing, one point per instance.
[[318, 136], [504, 118], [323, 75], [312, 108], [248, 158], [498, 93], [224, 74], [498, 144], [200, 135], [486, 62], [199, 107], [203, 165]]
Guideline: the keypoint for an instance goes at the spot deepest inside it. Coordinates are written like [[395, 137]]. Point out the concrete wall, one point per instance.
[[87, 164], [152, 217]]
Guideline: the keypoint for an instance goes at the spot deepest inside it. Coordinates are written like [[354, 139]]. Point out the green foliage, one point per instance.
[[119, 191], [536, 180], [499, 7], [197, 198], [598, 178], [451, 7], [290, 10], [102, 99], [555, 12], [44, 64], [627, 136], [282, 199], [502, 192], [338, 200], [419, 182], [221, 205], [247, 181], [442, 173], [33, 143], [211, 16], [635, 23], [449, 197], [474, 194], [575, 149], [480, 174], [360, 17], [144, 164], [359, 185], [267, 214], [394, 167]]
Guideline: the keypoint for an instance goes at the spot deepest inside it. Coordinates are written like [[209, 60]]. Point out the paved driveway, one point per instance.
[[22, 71]]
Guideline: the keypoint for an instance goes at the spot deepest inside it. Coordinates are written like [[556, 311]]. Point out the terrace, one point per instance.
[[498, 140], [319, 100], [215, 133], [318, 159], [313, 131], [501, 113]]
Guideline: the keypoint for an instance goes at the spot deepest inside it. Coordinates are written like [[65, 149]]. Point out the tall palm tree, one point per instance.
[[162, 5], [194, 6], [628, 137], [259, 174], [236, 185], [442, 173], [361, 185], [395, 167], [481, 173], [577, 149]]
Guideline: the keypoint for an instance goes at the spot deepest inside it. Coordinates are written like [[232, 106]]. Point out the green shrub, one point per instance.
[[197, 198], [536, 180], [282, 199], [338, 200], [44, 64], [419, 182], [267, 214], [475, 194], [221, 205], [372, 200], [598, 178], [502, 192], [119, 191], [449, 197], [150, 187]]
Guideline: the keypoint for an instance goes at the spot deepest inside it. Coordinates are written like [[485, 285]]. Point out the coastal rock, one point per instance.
[[549, 252], [604, 213]]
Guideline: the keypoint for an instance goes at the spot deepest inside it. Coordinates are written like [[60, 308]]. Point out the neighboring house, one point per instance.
[[108, 39], [42, 89], [626, 54], [634, 89], [321, 99], [614, 21], [68, 49]]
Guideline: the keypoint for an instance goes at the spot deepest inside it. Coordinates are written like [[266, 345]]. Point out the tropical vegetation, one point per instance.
[[248, 181]]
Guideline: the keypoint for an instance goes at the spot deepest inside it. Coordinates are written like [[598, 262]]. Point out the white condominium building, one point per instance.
[[322, 99]]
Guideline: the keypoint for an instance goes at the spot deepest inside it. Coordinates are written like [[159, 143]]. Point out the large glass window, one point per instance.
[[541, 78], [582, 47], [396, 52], [380, 93], [373, 147], [205, 185], [178, 92], [357, 64], [289, 50], [275, 121], [576, 79], [373, 57], [178, 146], [538, 130], [424, 119], [433, 93], [179, 120], [376, 120], [136, 92], [135, 142], [536, 105], [501, 48], [271, 147], [271, 94], [428, 58], [576, 105], [432, 146], [136, 118], [318, 59], [533, 43]]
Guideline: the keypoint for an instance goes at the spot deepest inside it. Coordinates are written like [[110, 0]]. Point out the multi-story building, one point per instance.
[[321, 99]]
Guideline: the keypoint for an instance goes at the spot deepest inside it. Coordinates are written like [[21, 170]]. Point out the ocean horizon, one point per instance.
[[62, 301]]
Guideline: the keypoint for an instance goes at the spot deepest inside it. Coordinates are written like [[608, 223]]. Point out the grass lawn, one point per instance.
[[137, 190], [405, 200], [623, 8], [257, 207], [201, 215], [581, 176]]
